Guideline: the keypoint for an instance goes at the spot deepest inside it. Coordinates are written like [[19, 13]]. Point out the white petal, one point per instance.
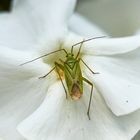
[[21, 91], [58, 11], [82, 26], [61, 119], [112, 46], [16, 33], [118, 81], [48, 15]]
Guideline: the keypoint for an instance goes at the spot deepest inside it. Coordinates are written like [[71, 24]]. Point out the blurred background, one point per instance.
[[5, 5], [116, 17]]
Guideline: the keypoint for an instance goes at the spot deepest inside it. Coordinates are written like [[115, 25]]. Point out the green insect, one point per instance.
[[72, 73]]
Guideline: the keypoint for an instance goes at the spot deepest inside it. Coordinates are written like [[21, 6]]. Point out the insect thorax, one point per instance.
[[70, 61]]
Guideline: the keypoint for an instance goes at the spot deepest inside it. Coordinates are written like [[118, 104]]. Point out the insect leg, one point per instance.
[[89, 67], [47, 73], [87, 81], [57, 65]]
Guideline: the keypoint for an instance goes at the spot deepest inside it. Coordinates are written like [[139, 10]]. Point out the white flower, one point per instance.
[[38, 107]]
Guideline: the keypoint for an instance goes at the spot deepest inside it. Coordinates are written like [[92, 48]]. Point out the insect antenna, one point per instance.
[[43, 56], [81, 42], [79, 49]]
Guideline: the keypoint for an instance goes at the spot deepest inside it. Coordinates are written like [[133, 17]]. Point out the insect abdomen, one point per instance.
[[75, 92]]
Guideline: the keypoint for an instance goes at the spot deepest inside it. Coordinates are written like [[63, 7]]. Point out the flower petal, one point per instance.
[[49, 15], [16, 33], [118, 81], [112, 46], [61, 119], [82, 26], [105, 46], [58, 11], [21, 91]]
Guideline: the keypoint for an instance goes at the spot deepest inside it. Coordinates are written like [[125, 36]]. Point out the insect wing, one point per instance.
[[73, 77]]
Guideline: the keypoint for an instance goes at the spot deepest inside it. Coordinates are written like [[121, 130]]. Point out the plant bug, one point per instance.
[[72, 72]]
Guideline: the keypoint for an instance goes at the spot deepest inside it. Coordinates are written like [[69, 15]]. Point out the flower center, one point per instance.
[[60, 56]]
